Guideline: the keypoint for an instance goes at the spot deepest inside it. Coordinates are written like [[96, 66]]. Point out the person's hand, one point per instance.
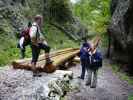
[[45, 42], [94, 60], [85, 49]]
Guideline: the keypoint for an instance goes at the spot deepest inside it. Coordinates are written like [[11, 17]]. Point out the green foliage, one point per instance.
[[95, 13], [34, 7], [57, 39], [130, 97], [59, 10], [6, 48]]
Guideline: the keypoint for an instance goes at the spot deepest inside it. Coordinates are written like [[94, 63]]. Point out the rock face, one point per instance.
[[14, 15], [121, 30], [10, 15]]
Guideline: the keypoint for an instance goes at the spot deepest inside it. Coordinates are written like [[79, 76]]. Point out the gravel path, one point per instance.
[[14, 84], [110, 87], [21, 85]]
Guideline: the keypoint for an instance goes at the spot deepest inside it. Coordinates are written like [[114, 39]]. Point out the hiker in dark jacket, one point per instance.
[[37, 43], [84, 58], [24, 40], [95, 60]]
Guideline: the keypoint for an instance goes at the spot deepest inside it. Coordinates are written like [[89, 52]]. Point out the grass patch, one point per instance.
[[123, 76], [130, 97]]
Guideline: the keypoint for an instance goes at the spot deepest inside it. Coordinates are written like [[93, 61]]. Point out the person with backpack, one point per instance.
[[24, 40], [84, 58], [37, 43], [95, 62]]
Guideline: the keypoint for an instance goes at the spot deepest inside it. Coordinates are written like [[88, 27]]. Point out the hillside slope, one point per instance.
[[14, 15]]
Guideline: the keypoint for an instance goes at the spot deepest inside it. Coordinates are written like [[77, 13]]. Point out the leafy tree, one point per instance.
[[95, 13], [60, 10]]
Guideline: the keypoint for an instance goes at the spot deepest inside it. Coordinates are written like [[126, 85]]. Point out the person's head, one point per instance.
[[38, 19], [85, 44]]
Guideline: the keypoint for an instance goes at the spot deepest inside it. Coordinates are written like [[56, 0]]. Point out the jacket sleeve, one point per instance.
[[21, 42], [97, 59]]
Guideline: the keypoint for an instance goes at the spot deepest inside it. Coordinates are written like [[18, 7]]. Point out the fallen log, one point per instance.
[[58, 58], [42, 57]]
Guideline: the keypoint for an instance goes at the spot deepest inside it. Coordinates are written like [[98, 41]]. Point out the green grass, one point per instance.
[[130, 97], [122, 75]]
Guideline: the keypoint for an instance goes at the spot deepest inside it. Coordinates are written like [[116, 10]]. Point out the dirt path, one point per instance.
[[110, 87], [15, 84]]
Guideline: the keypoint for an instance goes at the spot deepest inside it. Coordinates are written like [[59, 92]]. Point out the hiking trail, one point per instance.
[[109, 86]]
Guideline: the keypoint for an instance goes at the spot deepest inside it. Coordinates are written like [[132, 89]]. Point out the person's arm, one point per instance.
[[42, 39], [21, 42]]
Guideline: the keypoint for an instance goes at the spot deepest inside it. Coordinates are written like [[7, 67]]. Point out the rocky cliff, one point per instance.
[[121, 30], [15, 13]]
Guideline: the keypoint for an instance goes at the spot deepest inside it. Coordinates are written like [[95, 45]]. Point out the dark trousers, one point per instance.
[[36, 51], [22, 50], [85, 65], [92, 77]]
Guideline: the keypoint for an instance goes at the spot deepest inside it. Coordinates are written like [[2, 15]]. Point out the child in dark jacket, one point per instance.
[[84, 58]]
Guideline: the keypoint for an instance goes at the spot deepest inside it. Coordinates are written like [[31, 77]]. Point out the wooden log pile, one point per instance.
[[58, 57]]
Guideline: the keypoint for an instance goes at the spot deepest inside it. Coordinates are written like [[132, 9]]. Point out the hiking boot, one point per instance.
[[48, 61], [92, 86], [87, 83], [79, 77], [36, 74]]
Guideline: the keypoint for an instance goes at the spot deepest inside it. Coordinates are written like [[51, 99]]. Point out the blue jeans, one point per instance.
[[85, 65]]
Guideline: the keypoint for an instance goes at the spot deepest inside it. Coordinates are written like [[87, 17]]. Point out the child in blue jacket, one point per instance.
[[84, 58]]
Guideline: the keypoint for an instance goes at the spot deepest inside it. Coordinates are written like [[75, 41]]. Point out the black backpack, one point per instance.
[[96, 61]]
